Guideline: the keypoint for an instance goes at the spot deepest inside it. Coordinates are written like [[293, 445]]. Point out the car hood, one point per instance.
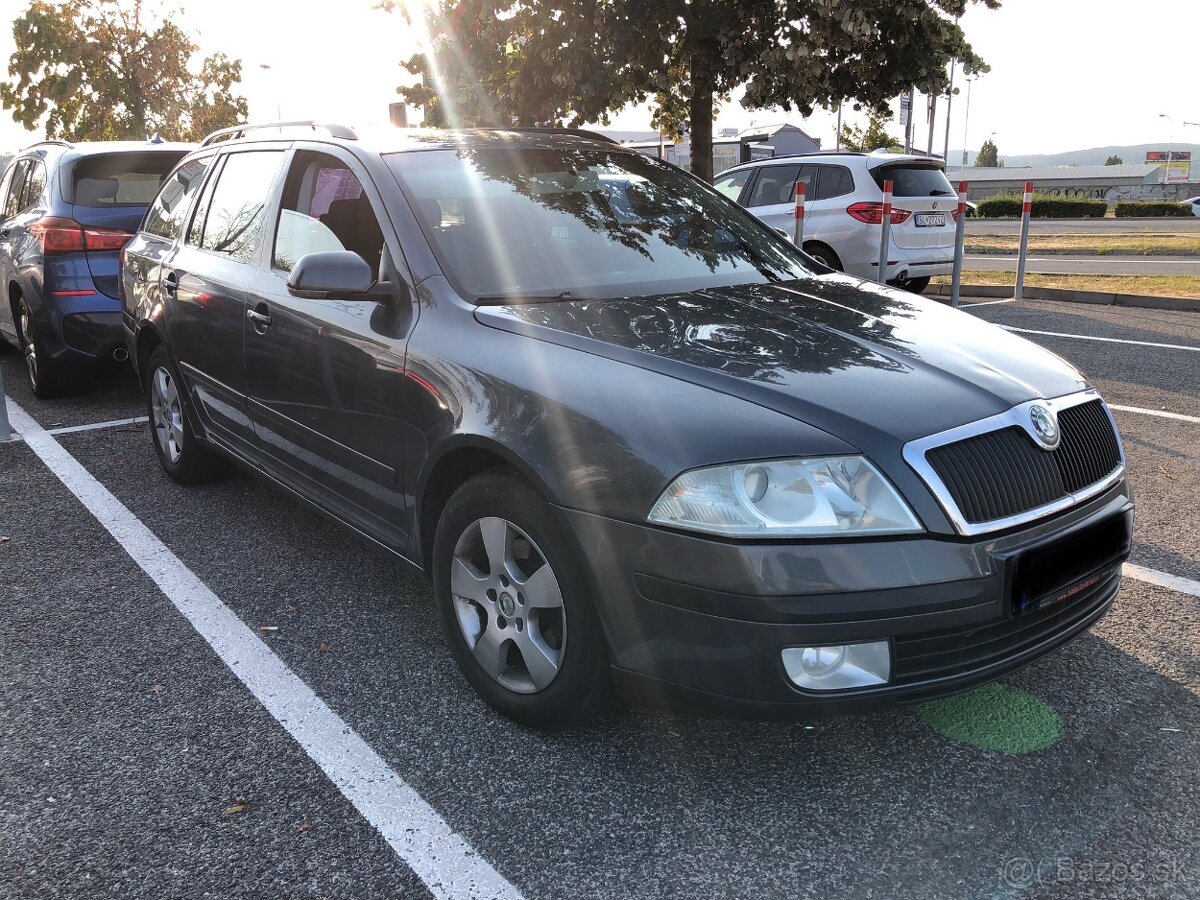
[[860, 361]]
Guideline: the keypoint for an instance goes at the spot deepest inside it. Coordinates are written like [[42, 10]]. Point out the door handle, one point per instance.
[[260, 318], [171, 284]]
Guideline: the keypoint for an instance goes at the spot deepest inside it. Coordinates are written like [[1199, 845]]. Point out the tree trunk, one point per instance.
[[700, 115]]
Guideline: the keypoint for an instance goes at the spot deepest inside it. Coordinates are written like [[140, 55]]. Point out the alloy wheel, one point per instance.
[[29, 347], [509, 605], [168, 414]]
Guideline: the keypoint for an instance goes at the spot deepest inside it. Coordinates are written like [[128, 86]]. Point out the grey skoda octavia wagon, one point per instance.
[[636, 439]]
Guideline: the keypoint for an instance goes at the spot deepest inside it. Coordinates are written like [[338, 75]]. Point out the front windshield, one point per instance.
[[540, 224]]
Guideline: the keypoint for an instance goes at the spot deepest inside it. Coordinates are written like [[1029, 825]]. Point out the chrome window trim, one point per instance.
[[914, 454]]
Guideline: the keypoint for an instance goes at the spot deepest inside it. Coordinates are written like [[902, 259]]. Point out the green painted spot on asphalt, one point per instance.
[[995, 717]]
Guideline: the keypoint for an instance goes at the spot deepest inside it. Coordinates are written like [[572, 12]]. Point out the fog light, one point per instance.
[[840, 667]]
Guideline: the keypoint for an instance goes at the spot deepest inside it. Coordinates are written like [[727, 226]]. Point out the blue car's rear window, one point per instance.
[[119, 179]]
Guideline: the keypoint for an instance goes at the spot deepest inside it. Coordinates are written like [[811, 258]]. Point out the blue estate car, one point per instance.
[[66, 212]]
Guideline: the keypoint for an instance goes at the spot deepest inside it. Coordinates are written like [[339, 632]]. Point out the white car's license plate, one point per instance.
[[930, 220]]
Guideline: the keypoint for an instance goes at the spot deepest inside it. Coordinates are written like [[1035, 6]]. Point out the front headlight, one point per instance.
[[823, 496]]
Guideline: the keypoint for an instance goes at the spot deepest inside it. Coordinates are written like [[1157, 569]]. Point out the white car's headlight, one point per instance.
[[829, 495]]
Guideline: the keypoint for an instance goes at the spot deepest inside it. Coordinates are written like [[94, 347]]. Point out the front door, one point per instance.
[[325, 377], [204, 283]]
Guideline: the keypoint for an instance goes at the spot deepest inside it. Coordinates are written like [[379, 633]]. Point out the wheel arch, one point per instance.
[[460, 459], [146, 341], [808, 245]]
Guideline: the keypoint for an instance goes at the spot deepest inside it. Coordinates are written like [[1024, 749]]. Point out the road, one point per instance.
[[1184, 225], [1086, 265], [136, 762]]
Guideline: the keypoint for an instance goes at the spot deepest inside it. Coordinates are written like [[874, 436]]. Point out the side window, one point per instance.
[[16, 187], [233, 217], [835, 181], [167, 213], [325, 208], [731, 185], [777, 184], [35, 184]]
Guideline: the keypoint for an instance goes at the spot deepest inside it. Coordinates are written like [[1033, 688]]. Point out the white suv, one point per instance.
[[844, 209]]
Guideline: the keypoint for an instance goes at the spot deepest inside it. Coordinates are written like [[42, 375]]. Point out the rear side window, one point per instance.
[[777, 184], [835, 181], [120, 179], [233, 214], [16, 187], [35, 185], [168, 212], [914, 181]]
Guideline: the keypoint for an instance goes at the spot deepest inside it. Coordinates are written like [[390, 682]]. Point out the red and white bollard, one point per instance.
[[1026, 209], [960, 231], [885, 232], [798, 227]]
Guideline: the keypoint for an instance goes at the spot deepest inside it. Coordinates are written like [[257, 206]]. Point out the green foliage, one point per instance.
[[1151, 208], [552, 62], [875, 137], [989, 156], [1114, 160], [1008, 206], [101, 70]]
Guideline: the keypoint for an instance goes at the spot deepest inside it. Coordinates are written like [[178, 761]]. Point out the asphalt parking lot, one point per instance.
[[142, 757]]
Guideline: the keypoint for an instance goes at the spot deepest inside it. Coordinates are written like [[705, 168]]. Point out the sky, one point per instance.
[[1066, 74]]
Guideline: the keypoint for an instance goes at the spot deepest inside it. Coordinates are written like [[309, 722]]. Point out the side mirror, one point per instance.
[[335, 274]]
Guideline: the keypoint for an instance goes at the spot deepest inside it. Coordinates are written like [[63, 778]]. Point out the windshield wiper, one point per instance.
[[520, 299]]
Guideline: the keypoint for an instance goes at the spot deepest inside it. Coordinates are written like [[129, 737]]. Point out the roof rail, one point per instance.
[[237, 131], [58, 142], [578, 132]]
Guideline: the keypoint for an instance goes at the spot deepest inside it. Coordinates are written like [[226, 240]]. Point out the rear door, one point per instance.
[[825, 218], [326, 377], [923, 190], [159, 238], [110, 192], [204, 283], [12, 188], [772, 196]]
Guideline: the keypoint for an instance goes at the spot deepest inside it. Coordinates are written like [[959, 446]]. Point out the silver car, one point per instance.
[[844, 210]]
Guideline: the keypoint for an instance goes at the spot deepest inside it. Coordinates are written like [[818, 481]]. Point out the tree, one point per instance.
[[988, 155], [101, 70], [875, 137], [548, 62], [1114, 160]]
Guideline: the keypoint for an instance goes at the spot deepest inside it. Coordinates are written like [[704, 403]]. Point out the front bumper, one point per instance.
[[702, 623]]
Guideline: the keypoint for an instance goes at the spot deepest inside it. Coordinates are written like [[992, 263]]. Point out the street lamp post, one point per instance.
[[266, 67], [966, 121]]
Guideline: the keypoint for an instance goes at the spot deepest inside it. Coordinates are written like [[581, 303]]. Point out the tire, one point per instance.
[[47, 378], [526, 633], [915, 285], [182, 455], [824, 256]]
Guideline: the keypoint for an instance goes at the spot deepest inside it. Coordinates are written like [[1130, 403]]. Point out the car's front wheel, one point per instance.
[[515, 605], [179, 451]]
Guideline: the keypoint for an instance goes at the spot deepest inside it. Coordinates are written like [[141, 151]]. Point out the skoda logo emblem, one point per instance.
[[1045, 427]]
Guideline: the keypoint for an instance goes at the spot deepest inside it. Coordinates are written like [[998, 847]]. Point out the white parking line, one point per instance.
[[1155, 412], [989, 302], [441, 858], [114, 423], [1162, 579], [1107, 340]]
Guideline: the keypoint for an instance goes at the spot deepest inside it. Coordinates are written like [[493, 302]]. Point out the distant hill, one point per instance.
[[1095, 156]]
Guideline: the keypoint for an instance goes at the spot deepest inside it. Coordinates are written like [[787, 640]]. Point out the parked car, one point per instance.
[[1194, 203], [843, 210], [625, 431], [66, 210]]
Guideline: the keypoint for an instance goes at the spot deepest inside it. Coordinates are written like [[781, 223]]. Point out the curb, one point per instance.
[[1100, 298]]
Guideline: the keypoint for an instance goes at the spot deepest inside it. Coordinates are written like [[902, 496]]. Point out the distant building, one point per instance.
[[1131, 181], [729, 149]]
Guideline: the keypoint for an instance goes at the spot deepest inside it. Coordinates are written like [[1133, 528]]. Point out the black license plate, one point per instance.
[[1065, 568]]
